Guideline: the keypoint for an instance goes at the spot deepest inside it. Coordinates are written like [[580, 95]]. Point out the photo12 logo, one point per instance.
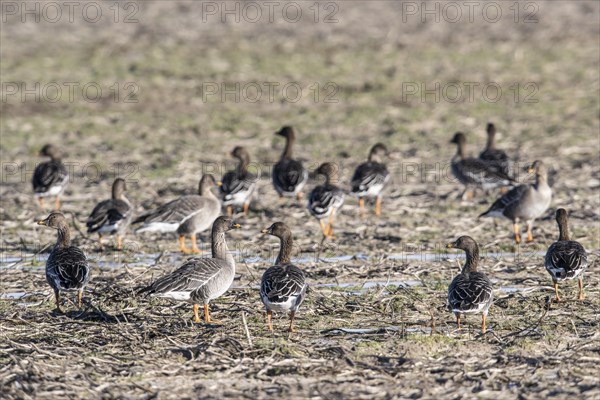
[[470, 11], [268, 92], [269, 11], [68, 92], [469, 92], [53, 12]]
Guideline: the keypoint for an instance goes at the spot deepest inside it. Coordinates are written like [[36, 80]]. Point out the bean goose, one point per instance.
[[289, 176], [473, 172], [525, 202], [565, 258], [470, 292], [67, 267], [370, 178], [283, 285], [238, 186], [326, 199], [200, 280], [186, 215], [496, 159], [113, 215], [51, 177]]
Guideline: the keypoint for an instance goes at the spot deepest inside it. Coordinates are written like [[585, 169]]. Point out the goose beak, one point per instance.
[[42, 222], [236, 226], [266, 230], [219, 183], [530, 170], [450, 245]]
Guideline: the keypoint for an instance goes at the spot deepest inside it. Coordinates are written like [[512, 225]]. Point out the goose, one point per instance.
[[326, 199], [565, 258], [524, 202], [200, 280], [186, 215], [238, 186], [370, 178], [113, 215], [50, 178], [470, 292], [473, 172], [67, 267], [283, 286], [496, 159], [289, 176]]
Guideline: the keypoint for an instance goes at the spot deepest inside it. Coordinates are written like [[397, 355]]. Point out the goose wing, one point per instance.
[[47, 175], [175, 211], [509, 199], [367, 175], [479, 172], [236, 184], [108, 213], [289, 174], [323, 198], [281, 282], [470, 292], [67, 268], [565, 259], [192, 275]]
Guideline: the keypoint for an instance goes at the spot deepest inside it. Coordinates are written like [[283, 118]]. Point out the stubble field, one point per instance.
[[375, 324]]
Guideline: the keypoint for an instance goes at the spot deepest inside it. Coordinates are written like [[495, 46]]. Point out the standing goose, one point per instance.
[[525, 202], [186, 215], [496, 159], [51, 177], [200, 280], [325, 200], [565, 259], [238, 186], [289, 176], [67, 267], [370, 178], [283, 285], [473, 172], [470, 291], [113, 215]]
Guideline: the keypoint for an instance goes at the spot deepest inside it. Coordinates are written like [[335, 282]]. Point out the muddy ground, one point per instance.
[[374, 325]]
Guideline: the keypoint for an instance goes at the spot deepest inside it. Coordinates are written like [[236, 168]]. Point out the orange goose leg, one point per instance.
[[330, 225], [361, 207], [182, 247], [195, 248], [196, 316], [529, 234], [517, 237], [324, 228], [207, 316], [269, 317], [580, 297]]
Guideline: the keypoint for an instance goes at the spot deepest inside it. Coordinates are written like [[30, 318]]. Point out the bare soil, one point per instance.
[[374, 325]]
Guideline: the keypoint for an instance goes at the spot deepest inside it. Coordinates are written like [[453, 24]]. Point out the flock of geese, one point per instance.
[[283, 286]]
